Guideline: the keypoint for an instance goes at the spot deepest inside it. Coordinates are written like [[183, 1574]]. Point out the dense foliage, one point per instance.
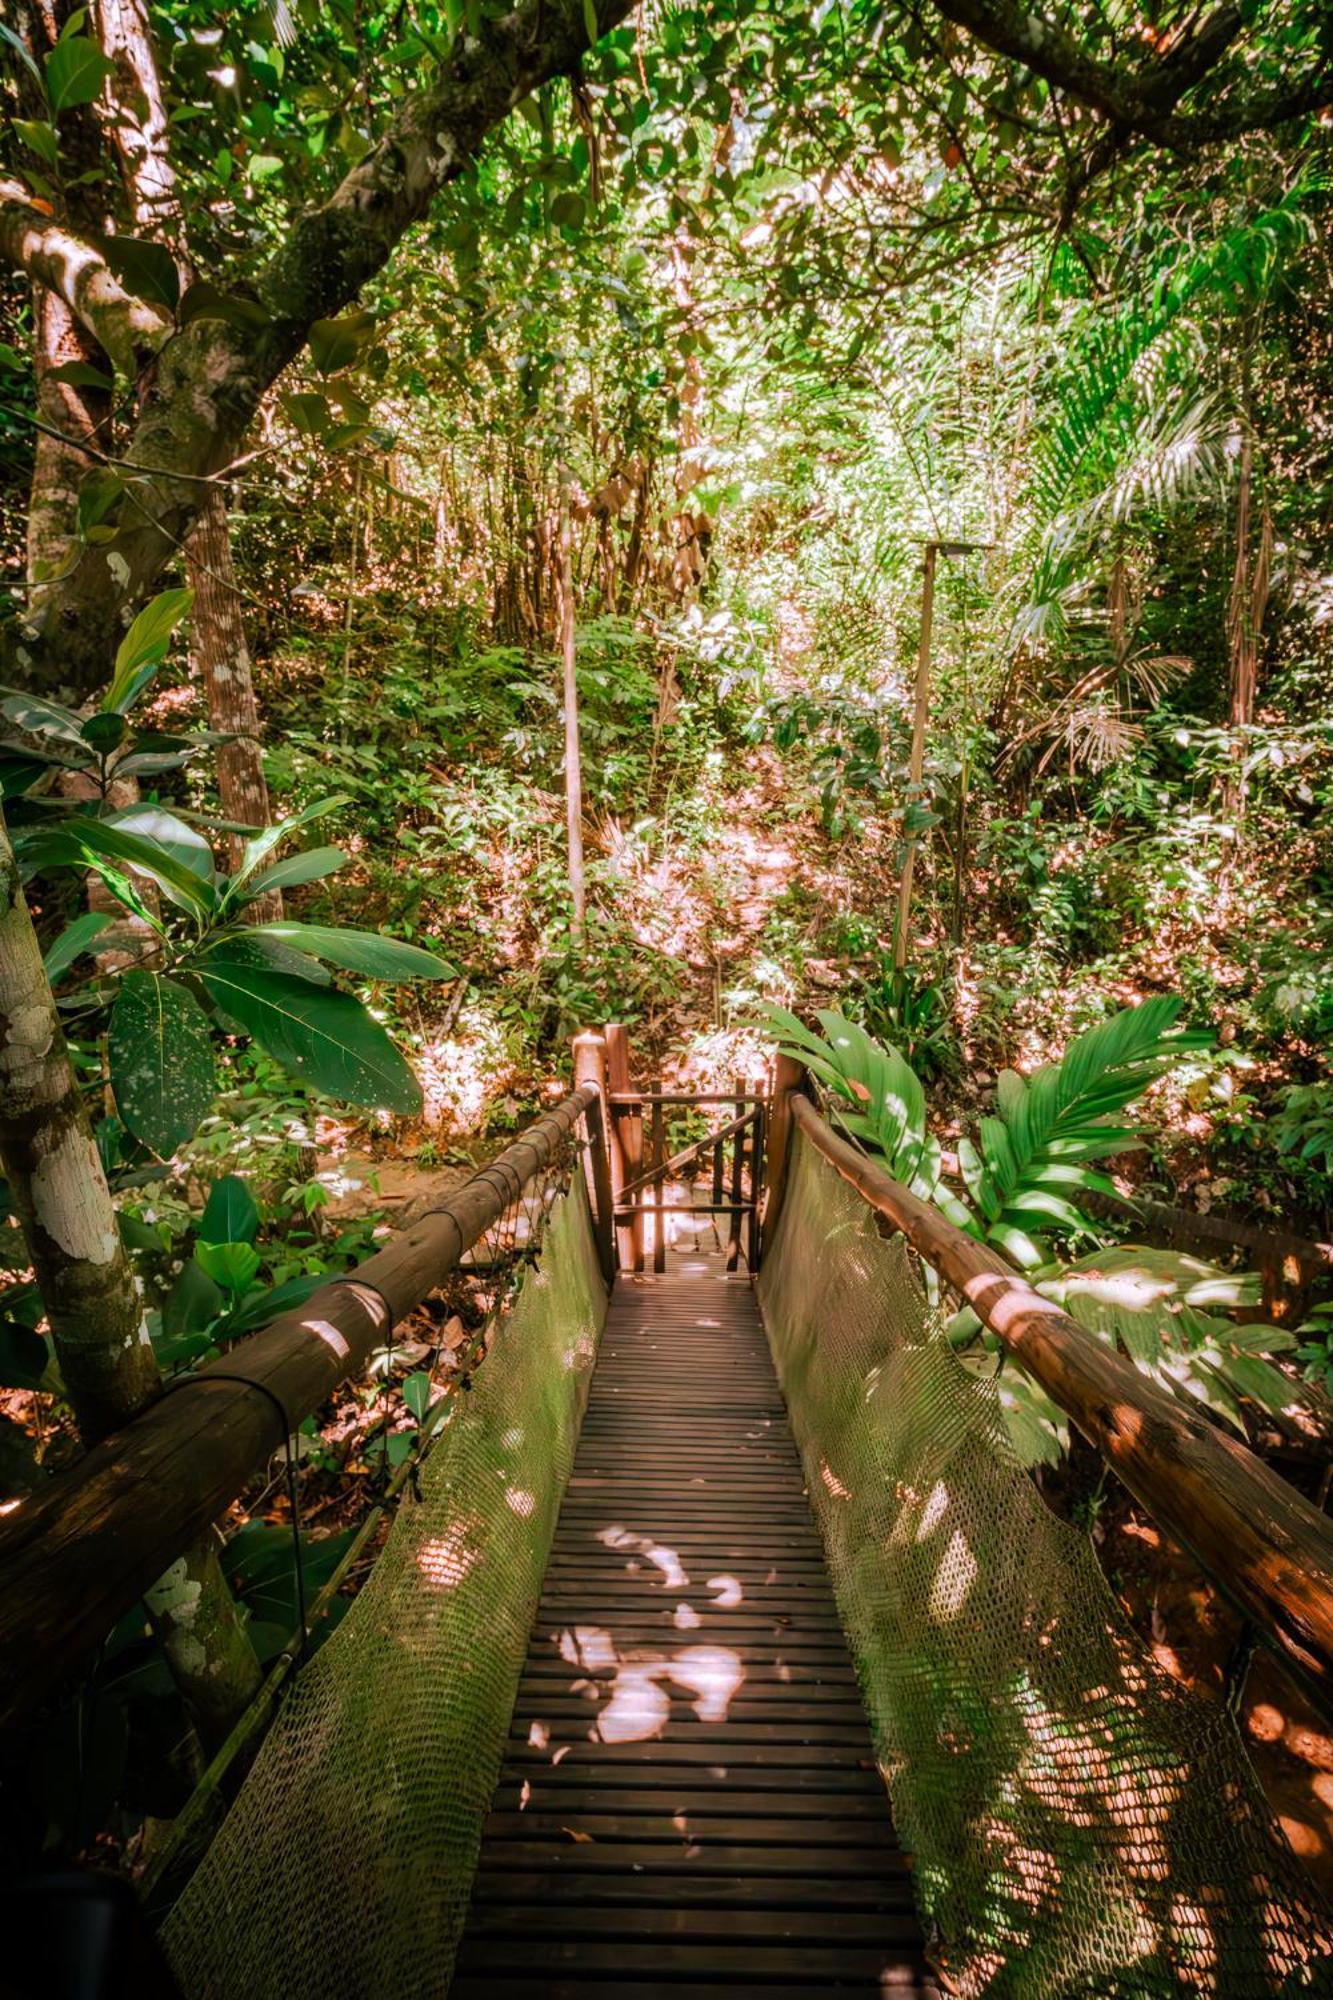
[[470, 480]]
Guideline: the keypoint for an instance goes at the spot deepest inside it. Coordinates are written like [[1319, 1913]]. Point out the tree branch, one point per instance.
[[1140, 101], [76, 271], [207, 381]]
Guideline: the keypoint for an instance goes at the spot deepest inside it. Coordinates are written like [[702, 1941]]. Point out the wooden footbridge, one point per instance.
[[690, 1794]]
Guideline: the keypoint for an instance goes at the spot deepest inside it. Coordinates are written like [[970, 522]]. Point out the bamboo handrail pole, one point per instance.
[[636, 1099], [77, 1555], [1267, 1549]]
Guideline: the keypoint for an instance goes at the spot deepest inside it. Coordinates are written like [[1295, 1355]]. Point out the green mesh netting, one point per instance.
[[343, 1870], [1080, 1823]]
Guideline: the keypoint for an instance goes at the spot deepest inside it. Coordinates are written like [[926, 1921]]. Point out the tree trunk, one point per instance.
[[220, 657], [59, 1190], [573, 747], [1246, 604], [91, 1296]]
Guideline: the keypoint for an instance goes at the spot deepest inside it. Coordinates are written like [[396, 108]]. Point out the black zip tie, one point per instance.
[[293, 1488]]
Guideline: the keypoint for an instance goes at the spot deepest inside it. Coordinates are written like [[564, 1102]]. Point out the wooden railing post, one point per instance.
[[626, 1129], [788, 1079], [657, 1160], [758, 1132], [590, 1067]]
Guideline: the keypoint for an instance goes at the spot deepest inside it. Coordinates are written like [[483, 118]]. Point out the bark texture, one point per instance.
[[59, 1190], [221, 658]]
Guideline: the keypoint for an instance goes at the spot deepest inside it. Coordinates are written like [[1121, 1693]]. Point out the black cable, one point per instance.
[[293, 1488]]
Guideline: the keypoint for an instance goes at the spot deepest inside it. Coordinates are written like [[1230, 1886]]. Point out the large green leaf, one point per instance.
[[73, 941], [75, 72], [44, 718], [161, 1055], [173, 837], [146, 642], [82, 842], [193, 1303], [263, 844], [324, 1037], [25, 1357], [230, 1214], [145, 268], [312, 865], [233, 1266], [359, 951]]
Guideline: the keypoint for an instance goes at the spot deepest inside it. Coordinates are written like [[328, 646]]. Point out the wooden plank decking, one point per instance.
[[689, 1804]]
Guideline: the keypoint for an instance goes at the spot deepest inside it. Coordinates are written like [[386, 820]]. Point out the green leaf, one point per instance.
[[266, 1306], [590, 26], [104, 733], [324, 1037], [263, 844], [205, 301], [161, 1057], [417, 1394], [336, 343], [74, 940], [358, 951], [146, 269], [170, 835], [82, 375], [43, 718], [234, 1266], [193, 1303], [256, 949], [230, 1214], [146, 642], [75, 72], [40, 137], [81, 842], [309, 412], [257, 1562], [312, 865], [568, 209]]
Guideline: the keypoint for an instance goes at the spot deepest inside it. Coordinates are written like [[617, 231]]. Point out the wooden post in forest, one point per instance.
[[626, 1144], [920, 714], [578, 894], [788, 1079], [590, 1067], [917, 761]]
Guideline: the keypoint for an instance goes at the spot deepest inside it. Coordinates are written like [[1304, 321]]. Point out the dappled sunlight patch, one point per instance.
[[953, 1579], [445, 1559]]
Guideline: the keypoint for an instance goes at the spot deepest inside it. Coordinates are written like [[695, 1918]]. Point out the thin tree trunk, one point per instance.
[[221, 658], [1247, 601], [573, 747]]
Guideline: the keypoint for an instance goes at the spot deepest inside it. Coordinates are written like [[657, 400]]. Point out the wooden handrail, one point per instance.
[[77, 1555], [641, 1100], [683, 1159], [1267, 1549]]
